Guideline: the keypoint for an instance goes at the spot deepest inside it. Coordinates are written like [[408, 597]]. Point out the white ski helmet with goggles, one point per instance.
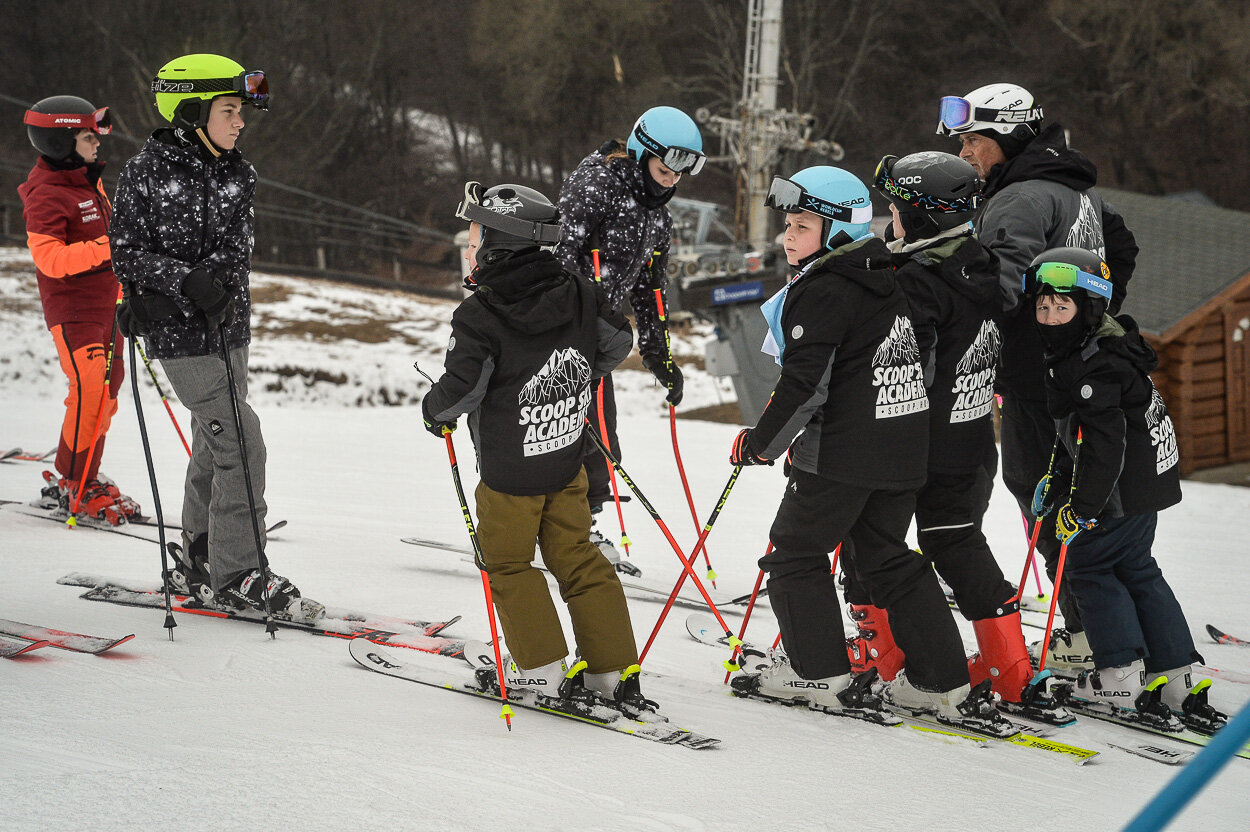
[[671, 136], [836, 196], [999, 109]]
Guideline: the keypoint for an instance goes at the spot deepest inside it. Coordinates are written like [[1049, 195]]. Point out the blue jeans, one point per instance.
[[1127, 607]]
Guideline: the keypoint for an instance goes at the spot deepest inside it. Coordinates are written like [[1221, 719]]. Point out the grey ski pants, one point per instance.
[[215, 498]]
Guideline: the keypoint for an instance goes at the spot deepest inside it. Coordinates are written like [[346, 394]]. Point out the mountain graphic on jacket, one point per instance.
[[564, 374], [896, 372]]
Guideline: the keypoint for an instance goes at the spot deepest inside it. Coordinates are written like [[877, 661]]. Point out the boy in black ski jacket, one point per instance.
[[1116, 467], [951, 283], [852, 383], [525, 350]]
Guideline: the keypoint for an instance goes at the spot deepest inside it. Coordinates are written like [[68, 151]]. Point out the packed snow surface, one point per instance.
[[224, 728]]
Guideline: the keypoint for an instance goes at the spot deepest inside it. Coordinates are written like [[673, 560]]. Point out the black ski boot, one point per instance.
[[189, 572], [250, 590]]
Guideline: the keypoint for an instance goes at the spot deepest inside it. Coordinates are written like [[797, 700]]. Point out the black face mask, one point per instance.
[[655, 195], [1062, 339]]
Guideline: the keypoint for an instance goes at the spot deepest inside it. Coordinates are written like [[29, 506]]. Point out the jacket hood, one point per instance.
[[530, 291], [970, 268], [631, 175], [1120, 335], [46, 174], [170, 144], [865, 262], [1047, 157]]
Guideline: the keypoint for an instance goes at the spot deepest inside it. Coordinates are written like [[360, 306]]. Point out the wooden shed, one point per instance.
[[1190, 293]]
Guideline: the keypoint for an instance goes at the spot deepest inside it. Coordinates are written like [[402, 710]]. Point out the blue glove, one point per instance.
[[1041, 505], [1069, 524]]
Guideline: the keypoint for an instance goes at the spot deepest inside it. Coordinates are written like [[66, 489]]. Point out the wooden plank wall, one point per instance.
[[1191, 379]]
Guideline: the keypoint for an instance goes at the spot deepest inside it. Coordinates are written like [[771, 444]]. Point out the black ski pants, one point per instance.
[[599, 489], [815, 515], [1027, 439]]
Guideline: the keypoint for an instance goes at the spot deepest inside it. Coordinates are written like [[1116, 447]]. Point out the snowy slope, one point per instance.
[[225, 729]]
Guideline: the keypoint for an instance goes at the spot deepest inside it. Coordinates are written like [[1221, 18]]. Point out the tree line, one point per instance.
[[391, 106]]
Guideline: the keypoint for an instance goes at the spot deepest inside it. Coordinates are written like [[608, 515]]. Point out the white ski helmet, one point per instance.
[[1001, 109]]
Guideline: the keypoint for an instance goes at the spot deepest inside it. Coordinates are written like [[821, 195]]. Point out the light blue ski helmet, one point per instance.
[[835, 195], [671, 135]]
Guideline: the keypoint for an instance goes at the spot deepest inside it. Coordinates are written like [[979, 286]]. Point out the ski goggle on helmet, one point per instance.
[[1065, 277], [98, 121], [789, 197], [498, 207], [958, 114], [252, 87], [671, 136], [884, 181]]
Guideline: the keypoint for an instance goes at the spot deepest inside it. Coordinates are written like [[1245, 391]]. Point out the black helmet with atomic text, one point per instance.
[[933, 191], [513, 218], [52, 124]]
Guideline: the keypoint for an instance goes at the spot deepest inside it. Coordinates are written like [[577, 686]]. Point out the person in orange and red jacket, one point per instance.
[[67, 218]]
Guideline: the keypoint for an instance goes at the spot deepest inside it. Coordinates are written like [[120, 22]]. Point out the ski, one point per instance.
[[11, 453], [338, 623], [129, 528], [76, 642], [705, 630], [11, 647], [1167, 756], [1222, 637], [463, 680], [1130, 719], [643, 588]]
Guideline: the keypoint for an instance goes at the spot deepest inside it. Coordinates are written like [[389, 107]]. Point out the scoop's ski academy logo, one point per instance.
[[1162, 432], [974, 376], [554, 403], [896, 372]]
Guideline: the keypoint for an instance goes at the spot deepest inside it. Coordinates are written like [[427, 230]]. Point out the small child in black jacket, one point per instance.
[[1116, 468], [524, 351]]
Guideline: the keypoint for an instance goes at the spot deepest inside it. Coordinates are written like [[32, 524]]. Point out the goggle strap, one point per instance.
[[540, 233]]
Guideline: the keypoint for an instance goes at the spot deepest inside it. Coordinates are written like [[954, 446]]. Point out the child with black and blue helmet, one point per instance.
[[1116, 467]]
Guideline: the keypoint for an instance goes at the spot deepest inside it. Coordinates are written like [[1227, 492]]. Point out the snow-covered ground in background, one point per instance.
[[223, 728]]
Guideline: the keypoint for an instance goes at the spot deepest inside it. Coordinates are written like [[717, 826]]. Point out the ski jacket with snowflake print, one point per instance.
[[67, 224], [604, 202], [851, 383], [1127, 461], [1044, 198], [177, 209], [524, 351], [951, 286]]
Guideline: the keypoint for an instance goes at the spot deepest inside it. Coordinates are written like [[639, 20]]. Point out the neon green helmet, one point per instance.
[[184, 84]]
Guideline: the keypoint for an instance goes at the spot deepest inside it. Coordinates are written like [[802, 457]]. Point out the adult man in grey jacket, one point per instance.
[[1039, 194]]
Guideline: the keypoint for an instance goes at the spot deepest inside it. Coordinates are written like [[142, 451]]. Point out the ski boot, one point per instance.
[[544, 681], [189, 575], [1124, 693], [622, 689], [55, 493], [1189, 701], [874, 645], [845, 695], [1004, 661], [1069, 655], [250, 590], [112, 504], [966, 707]]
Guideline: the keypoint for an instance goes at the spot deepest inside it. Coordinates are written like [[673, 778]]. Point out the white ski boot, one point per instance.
[[843, 695], [966, 707]]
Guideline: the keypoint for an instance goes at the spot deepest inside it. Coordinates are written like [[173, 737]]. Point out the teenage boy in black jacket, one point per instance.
[[1116, 468], [524, 350]]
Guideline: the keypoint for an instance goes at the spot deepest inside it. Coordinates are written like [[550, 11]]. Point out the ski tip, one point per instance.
[[1219, 636]]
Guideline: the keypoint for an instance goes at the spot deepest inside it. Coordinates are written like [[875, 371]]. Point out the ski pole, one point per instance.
[[72, 520], [156, 494], [270, 626], [1063, 557], [731, 663], [603, 422], [1037, 527], [159, 390], [506, 714], [707, 529], [687, 565], [672, 424]]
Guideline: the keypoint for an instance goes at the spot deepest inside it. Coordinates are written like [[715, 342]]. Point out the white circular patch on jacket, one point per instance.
[[797, 332], [1086, 391], [451, 345]]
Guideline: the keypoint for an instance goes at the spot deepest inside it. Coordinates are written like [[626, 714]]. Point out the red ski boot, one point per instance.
[[1004, 660], [874, 646]]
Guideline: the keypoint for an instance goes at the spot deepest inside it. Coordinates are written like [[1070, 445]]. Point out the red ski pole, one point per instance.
[[1063, 557], [731, 663], [506, 713], [161, 393], [603, 422]]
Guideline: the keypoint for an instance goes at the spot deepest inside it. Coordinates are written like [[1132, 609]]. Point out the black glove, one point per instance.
[[130, 322], [205, 290], [439, 428], [740, 455], [667, 373]]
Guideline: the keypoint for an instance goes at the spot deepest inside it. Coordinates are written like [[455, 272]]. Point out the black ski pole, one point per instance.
[[261, 560], [170, 623]]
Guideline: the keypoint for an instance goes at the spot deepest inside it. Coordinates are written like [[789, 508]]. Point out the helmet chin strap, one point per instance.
[[212, 148]]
